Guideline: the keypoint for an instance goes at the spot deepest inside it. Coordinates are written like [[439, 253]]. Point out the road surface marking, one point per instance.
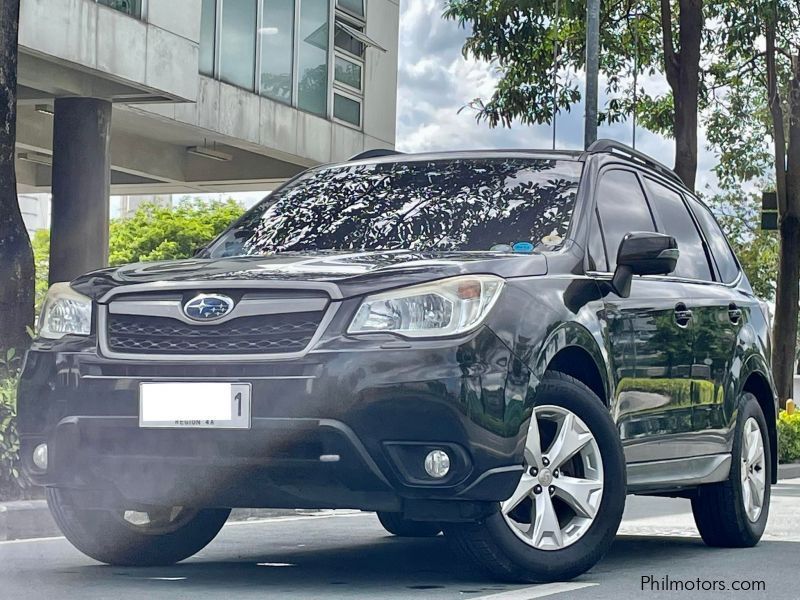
[[537, 591], [41, 539]]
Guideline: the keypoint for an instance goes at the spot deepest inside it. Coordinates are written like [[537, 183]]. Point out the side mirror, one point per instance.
[[643, 253]]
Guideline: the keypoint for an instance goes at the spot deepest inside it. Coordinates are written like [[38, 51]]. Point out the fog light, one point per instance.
[[437, 464], [40, 456]]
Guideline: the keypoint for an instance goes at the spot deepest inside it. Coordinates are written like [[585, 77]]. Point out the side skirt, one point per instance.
[[677, 474]]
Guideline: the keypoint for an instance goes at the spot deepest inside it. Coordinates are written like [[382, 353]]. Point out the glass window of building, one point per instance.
[[344, 40], [276, 36], [347, 72], [312, 59], [130, 7], [237, 61], [347, 109], [208, 32], [352, 6]]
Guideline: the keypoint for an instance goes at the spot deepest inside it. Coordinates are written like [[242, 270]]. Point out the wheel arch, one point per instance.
[[573, 350], [756, 382]]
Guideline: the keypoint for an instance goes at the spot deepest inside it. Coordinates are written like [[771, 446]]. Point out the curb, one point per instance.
[[25, 519], [789, 471]]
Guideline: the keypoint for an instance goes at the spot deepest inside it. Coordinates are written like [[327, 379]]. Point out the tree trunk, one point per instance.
[[784, 350], [685, 93], [16, 255], [786, 299]]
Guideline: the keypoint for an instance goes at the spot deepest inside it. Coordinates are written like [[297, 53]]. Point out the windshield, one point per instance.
[[437, 205]]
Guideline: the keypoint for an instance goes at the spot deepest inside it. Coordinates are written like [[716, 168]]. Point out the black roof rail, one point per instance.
[[625, 151], [375, 153]]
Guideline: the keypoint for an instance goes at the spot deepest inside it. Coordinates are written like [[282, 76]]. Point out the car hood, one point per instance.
[[353, 273]]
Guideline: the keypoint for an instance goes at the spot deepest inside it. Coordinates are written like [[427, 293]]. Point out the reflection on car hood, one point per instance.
[[354, 273]]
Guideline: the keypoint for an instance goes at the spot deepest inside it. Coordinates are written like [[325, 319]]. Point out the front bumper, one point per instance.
[[378, 406]]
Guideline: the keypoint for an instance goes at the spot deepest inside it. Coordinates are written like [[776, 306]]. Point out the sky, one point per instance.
[[435, 81]]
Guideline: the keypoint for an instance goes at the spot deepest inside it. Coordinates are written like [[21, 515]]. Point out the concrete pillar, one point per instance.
[[81, 186]]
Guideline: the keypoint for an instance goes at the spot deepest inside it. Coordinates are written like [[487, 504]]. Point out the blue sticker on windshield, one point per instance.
[[523, 247]]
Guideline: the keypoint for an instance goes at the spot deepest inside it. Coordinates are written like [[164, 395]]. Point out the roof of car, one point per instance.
[[394, 156], [602, 146]]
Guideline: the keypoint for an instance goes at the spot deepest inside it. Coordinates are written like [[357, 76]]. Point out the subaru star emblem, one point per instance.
[[208, 307]]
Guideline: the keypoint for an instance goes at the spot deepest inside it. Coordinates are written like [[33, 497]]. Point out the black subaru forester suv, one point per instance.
[[498, 345]]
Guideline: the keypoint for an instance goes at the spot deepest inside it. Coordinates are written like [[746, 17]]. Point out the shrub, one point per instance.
[[11, 482], [788, 436], [166, 233]]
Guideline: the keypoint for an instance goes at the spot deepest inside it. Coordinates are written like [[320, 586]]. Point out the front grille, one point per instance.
[[260, 334]]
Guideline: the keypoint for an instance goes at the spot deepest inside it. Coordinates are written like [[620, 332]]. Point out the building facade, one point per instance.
[[188, 96]]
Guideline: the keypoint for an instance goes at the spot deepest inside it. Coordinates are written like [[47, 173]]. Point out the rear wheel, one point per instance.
[[733, 513], [567, 507], [395, 523], [158, 536]]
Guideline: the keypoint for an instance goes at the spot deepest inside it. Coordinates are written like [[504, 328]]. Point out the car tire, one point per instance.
[[395, 524], [106, 535], [722, 510], [498, 546]]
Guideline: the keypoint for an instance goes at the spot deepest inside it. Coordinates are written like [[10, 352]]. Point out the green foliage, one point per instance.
[[520, 38], [41, 259], [162, 233], [788, 436], [12, 484]]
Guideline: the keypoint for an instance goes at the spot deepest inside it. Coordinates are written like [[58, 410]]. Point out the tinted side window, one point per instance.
[[723, 255], [622, 208], [674, 219]]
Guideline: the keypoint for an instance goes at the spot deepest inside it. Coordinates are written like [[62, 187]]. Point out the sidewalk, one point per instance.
[[31, 518], [26, 519]]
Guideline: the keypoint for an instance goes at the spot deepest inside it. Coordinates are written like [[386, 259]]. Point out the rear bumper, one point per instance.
[[336, 429]]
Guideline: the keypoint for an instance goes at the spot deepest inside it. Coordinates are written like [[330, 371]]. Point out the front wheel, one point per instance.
[[157, 537], [567, 507], [733, 513]]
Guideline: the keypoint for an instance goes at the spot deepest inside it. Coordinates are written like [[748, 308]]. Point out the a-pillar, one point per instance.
[[81, 186]]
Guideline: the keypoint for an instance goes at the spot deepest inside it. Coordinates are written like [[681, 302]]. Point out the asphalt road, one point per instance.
[[349, 556]]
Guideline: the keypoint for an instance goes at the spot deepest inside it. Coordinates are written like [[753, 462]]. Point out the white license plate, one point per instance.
[[214, 405]]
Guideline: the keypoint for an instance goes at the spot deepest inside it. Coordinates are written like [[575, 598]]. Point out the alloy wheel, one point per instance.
[[560, 491], [753, 473]]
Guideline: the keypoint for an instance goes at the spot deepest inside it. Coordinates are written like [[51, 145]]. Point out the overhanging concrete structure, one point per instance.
[[147, 67], [315, 82]]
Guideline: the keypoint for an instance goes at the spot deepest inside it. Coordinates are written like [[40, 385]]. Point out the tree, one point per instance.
[[163, 233], [650, 36], [41, 258], [758, 101], [16, 256]]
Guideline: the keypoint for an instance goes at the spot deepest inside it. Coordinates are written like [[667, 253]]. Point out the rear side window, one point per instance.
[[723, 255], [674, 219], [622, 208]]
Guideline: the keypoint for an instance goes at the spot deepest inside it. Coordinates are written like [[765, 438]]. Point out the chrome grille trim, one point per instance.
[[253, 307], [173, 309]]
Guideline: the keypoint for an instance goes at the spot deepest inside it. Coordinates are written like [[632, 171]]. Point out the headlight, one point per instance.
[[65, 311], [446, 307]]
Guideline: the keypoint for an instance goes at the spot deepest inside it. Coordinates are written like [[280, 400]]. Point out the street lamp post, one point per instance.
[[592, 69]]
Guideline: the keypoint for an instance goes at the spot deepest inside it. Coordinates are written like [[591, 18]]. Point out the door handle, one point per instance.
[[734, 314], [683, 315]]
